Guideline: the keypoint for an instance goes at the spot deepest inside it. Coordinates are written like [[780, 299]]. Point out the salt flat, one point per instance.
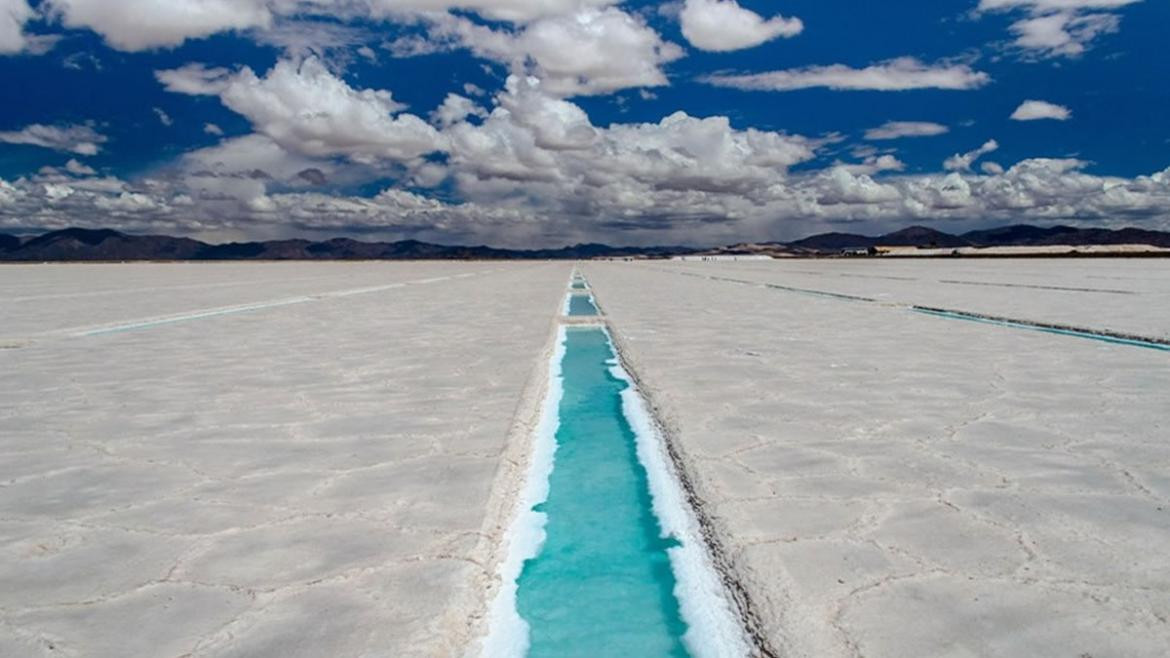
[[318, 459], [1112, 294], [326, 476], [886, 483]]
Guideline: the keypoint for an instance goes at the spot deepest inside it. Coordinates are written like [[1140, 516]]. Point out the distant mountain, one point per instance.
[[1025, 235], [1020, 235], [104, 244], [834, 242], [75, 244], [914, 236], [921, 236]]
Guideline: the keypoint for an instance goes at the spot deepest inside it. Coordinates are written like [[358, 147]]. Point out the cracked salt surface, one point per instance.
[[334, 478], [323, 478], [952, 488]]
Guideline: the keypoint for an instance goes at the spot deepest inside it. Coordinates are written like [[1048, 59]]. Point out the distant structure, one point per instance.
[[861, 251], [722, 257]]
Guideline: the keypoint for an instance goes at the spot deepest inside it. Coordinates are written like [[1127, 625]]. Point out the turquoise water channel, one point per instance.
[[602, 583], [581, 305]]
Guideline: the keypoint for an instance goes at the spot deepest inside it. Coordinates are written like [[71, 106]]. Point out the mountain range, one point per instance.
[[1019, 235], [76, 244]]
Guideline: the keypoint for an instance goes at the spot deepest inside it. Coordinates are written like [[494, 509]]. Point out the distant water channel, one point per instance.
[[602, 583], [581, 306]]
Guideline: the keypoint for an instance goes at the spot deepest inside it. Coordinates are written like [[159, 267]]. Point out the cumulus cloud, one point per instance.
[[583, 53], [723, 25], [306, 109], [163, 118], [631, 200], [213, 129], [1032, 110], [900, 129], [134, 25], [894, 75], [79, 139], [1058, 28], [963, 161], [456, 108], [839, 185]]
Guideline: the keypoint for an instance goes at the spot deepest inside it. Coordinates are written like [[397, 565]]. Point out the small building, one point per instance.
[[859, 251]]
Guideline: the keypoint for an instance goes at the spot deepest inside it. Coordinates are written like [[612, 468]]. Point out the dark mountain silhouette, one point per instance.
[[834, 242], [914, 236], [921, 236], [103, 244], [75, 244], [1019, 235], [1023, 234]]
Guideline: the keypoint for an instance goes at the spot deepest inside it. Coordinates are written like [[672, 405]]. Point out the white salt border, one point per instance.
[[713, 628], [508, 633]]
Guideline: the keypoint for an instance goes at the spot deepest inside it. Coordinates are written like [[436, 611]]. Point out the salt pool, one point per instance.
[[581, 306], [605, 555]]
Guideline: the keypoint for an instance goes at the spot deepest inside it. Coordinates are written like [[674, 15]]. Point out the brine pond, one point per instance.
[[581, 306], [602, 583]]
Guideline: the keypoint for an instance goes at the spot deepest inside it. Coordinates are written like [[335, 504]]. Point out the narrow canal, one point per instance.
[[605, 557]]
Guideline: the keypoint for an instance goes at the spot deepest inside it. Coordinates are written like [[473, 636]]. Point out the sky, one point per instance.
[[530, 123]]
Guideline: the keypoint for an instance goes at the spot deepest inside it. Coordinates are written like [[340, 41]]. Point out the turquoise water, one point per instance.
[[578, 285], [602, 584], [580, 305]]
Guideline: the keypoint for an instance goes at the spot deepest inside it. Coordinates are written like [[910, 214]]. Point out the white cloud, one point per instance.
[[195, 80], [992, 168], [963, 161], [134, 25], [78, 169], [306, 109], [13, 15], [894, 75], [723, 25], [456, 108], [1032, 110], [839, 185], [212, 129], [1059, 28], [79, 139], [588, 52], [163, 118], [518, 11], [873, 164], [627, 203], [900, 129]]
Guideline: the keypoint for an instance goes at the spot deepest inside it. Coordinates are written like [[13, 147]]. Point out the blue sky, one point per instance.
[[539, 122]]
